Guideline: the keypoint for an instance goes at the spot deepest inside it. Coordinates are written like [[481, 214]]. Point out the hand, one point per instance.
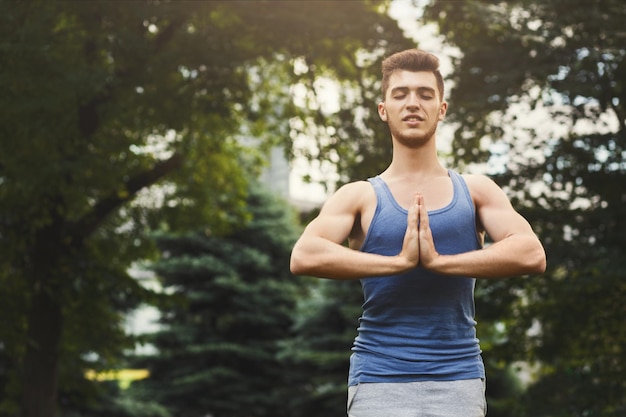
[[427, 252], [411, 246]]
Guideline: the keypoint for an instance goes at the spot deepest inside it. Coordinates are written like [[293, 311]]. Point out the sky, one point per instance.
[[426, 37], [407, 14]]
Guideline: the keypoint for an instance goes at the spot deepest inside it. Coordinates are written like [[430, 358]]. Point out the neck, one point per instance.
[[418, 162]]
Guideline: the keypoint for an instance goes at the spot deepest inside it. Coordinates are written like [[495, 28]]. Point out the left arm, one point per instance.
[[516, 249]]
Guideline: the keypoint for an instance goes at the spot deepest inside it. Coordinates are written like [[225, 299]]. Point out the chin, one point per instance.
[[415, 138]]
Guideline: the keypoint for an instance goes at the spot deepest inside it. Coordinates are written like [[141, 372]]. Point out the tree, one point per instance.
[[565, 61], [320, 349], [118, 117], [218, 352]]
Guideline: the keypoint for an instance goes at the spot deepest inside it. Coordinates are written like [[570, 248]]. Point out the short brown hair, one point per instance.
[[411, 60]]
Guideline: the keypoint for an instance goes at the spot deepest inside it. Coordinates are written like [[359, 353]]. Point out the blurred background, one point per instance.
[[158, 159]]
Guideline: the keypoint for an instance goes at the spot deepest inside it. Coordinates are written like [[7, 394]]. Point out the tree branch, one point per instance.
[[101, 210]]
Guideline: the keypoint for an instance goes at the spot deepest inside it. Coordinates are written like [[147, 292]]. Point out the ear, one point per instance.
[[382, 111], [442, 110]]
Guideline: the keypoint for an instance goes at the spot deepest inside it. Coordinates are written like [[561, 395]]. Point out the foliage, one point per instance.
[[320, 349], [120, 117], [218, 349], [352, 139], [544, 84]]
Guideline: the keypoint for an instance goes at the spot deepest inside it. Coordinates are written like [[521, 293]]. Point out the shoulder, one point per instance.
[[353, 190], [479, 182], [352, 196], [354, 187], [483, 189]]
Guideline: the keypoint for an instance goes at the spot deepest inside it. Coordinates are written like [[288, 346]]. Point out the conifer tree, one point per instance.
[[219, 347], [320, 350]]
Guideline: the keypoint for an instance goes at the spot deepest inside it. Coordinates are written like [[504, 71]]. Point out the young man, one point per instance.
[[415, 235]]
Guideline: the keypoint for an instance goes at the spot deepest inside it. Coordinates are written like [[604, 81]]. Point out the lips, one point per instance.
[[413, 118]]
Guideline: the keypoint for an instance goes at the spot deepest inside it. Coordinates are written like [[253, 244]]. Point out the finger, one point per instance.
[[422, 213], [413, 215]]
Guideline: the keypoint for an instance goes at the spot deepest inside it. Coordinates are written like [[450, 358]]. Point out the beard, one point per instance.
[[412, 138]]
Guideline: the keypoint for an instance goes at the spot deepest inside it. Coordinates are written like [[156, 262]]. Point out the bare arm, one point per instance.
[[320, 251], [515, 251]]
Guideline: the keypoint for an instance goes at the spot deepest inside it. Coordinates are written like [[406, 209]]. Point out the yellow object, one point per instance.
[[123, 376]]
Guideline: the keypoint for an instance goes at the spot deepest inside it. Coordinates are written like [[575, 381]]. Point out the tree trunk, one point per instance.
[[40, 367], [41, 362]]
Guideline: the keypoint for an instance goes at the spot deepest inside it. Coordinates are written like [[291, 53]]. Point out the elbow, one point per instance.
[[537, 262], [531, 258], [543, 264], [306, 259], [297, 264], [305, 262]]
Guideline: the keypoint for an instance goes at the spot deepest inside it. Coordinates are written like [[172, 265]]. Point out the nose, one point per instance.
[[413, 101]]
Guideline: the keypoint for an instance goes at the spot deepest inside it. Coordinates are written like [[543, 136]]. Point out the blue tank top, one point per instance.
[[418, 326]]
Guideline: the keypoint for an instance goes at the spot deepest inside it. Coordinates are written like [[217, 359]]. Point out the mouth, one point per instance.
[[413, 118]]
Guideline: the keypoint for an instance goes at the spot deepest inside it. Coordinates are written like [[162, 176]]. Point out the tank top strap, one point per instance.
[[460, 187], [384, 195], [379, 186]]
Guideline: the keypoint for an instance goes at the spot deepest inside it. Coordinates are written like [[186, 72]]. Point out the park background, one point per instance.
[[134, 139]]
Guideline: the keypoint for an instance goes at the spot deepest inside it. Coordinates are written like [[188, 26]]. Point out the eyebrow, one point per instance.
[[403, 89]]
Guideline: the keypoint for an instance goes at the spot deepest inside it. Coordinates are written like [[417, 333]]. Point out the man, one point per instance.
[[415, 240]]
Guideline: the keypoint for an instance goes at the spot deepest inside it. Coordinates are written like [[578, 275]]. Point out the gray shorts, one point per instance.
[[464, 398]]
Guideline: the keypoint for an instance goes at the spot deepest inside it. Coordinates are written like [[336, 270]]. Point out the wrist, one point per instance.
[[436, 264], [403, 264]]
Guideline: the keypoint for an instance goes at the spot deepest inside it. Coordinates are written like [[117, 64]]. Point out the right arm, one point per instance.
[[320, 251]]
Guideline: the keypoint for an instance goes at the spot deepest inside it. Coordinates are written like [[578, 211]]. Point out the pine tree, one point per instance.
[[320, 350], [219, 346]]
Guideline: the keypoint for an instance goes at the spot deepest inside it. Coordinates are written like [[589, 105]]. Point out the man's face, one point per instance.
[[412, 107]]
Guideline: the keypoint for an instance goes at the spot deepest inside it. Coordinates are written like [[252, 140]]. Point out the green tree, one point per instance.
[[118, 117], [565, 61], [320, 350], [218, 352]]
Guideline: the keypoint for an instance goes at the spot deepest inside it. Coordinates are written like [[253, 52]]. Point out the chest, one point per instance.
[[437, 193], [451, 214]]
